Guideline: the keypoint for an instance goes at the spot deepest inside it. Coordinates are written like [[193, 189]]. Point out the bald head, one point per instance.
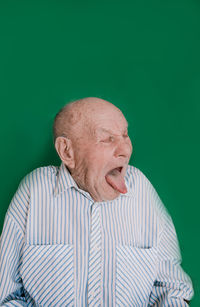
[[73, 117]]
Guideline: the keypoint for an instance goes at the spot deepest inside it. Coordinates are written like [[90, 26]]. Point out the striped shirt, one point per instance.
[[60, 248]]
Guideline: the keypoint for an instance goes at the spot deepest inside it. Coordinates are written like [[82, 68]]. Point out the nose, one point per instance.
[[123, 148]]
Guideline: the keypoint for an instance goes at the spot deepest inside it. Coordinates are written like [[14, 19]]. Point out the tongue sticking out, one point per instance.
[[116, 180]]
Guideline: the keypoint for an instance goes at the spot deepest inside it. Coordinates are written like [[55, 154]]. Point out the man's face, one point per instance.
[[102, 154]]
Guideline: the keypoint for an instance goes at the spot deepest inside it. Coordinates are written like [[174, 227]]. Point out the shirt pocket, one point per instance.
[[48, 274], [135, 274]]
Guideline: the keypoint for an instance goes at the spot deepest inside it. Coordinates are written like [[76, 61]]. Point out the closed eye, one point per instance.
[[125, 134], [109, 139]]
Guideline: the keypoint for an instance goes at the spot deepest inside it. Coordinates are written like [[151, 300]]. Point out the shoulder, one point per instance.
[[36, 179], [141, 187], [44, 174], [134, 177], [34, 182]]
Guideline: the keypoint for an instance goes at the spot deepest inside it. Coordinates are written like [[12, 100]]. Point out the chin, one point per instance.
[[107, 193]]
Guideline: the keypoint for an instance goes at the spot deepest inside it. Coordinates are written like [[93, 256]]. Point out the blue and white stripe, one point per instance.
[[95, 258], [60, 248]]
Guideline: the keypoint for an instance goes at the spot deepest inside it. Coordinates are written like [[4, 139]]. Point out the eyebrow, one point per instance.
[[109, 131]]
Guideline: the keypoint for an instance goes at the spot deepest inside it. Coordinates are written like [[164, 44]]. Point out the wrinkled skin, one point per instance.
[[101, 145]]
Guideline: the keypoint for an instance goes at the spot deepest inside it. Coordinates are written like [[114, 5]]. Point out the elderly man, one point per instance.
[[92, 232]]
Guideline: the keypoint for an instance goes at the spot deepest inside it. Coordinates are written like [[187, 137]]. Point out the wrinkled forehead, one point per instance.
[[110, 120]]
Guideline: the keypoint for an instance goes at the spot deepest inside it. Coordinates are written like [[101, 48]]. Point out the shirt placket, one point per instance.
[[94, 269]]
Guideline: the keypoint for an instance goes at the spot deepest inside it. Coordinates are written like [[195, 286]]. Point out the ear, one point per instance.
[[65, 151]]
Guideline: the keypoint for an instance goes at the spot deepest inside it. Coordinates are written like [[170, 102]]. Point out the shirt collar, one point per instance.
[[64, 180], [129, 191]]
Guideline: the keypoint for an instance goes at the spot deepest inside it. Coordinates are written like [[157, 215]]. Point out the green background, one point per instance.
[[144, 56]]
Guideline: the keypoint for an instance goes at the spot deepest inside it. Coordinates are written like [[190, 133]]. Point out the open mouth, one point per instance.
[[115, 171], [115, 179]]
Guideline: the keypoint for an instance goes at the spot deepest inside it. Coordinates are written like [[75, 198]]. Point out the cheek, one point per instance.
[[100, 158]]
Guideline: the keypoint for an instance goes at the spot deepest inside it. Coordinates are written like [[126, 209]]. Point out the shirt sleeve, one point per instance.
[[172, 287], [11, 246]]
